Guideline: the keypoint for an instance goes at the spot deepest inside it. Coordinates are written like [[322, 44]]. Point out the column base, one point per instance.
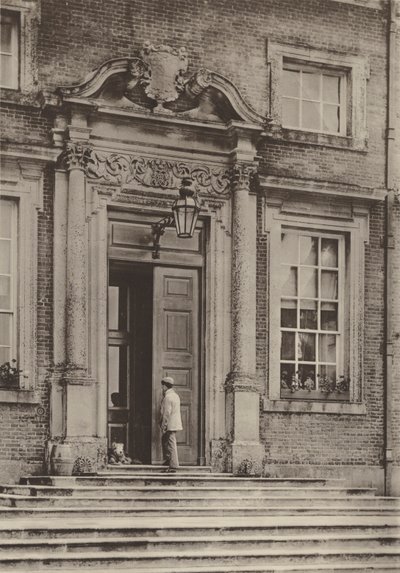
[[89, 454], [247, 458]]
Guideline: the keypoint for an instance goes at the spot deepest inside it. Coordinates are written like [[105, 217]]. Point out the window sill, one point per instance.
[[18, 396], [308, 407], [18, 97], [278, 133]]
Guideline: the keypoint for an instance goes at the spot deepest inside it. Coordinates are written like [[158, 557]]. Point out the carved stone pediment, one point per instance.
[[156, 82]]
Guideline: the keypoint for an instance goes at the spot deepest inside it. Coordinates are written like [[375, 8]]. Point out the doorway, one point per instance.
[[153, 331]]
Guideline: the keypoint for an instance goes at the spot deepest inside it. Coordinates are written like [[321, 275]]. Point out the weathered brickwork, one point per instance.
[[229, 37]]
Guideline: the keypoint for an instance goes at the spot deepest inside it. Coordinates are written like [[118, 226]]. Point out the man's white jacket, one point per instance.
[[171, 420]]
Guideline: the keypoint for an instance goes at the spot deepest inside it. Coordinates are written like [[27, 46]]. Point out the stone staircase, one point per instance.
[[136, 518]]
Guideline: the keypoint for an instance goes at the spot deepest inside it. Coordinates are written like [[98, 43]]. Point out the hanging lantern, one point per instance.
[[186, 210]]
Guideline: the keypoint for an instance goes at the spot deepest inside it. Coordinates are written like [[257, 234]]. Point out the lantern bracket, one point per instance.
[[157, 230]]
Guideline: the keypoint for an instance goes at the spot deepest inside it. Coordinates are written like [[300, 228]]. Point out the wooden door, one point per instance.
[[176, 354]]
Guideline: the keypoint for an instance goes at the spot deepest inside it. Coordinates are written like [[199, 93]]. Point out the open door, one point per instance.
[[176, 354]]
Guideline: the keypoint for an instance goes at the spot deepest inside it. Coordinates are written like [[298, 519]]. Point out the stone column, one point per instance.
[[77, 267], [243, 393]]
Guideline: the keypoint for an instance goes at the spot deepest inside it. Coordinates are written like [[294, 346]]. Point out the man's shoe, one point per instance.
[[170, 471]]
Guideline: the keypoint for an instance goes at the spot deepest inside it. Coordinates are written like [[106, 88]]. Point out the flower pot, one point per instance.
[[62, 461]]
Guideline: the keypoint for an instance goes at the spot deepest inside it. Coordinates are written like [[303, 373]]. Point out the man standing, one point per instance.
[[170, 423]]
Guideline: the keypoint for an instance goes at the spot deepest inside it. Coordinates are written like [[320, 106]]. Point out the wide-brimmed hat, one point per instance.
[[167, 380]]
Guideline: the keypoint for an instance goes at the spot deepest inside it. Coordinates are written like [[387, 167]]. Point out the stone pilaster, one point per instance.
[[74, 391], [242, 392], [77, 266]]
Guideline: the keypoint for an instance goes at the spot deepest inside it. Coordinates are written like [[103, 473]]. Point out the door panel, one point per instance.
[[176, 354]]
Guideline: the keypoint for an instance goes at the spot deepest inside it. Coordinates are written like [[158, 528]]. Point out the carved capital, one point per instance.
[[243, 175], [76, 155]]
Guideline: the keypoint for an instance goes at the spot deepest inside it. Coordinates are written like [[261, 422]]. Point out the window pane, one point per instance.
[[291, 83], [289, 280], [5, 329], [5, 38], [7, 71], [5, 257], [117, 375], [5, 354], [329, 316], [308, 282], [327, 348], [311, 86], [331, 89], [5, 293], [327, 378], [309, 314], [288, 313], [307, 376], [309, 250], [311, 115], [113, 307], [329, 284], [5, 218], [291, 112], [331, 118], [306, 347], [289, 248], [288, 346], [287, 372], [329, 252]]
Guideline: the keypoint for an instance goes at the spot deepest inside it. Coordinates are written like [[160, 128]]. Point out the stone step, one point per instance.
[[177, 479], [360, 567], [176, 492], [211, 557], [199, 526], [187, 501], [221, 510], [143, 468], [186, 544]]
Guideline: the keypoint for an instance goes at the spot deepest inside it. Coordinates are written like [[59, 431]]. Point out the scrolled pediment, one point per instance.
[[156, 83]]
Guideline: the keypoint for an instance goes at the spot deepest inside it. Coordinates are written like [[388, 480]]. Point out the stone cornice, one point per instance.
[[371, 4], [123, 169], [325, 188]]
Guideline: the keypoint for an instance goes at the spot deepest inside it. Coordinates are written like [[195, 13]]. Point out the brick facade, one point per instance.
[[229, 37]]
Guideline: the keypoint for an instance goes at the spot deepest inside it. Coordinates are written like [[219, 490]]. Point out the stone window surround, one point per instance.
[[357, 70], [28, 11], [21, 181], [356, 228]]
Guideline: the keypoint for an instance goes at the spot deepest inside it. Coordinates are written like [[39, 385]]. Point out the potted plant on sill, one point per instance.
[[9, 374]]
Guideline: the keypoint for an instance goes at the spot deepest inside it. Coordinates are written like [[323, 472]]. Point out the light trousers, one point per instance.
[[169, 448]]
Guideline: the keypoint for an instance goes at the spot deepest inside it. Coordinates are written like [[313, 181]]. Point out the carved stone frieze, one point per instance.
[[124, 169]]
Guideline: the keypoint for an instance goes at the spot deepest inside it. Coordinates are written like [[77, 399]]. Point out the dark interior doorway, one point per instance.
[[130, 309]]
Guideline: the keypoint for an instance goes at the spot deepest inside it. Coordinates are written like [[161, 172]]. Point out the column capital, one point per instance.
[[76, 155], [242, 175]]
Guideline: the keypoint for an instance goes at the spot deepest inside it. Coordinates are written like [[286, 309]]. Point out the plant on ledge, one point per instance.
[[9, 374]]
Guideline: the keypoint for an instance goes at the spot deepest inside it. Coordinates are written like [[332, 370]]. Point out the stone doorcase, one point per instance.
[[127, 135]]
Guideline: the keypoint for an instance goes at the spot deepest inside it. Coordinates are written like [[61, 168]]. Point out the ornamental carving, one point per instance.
[[76, 155], [124, 169], [160, 71], [243, 175]]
